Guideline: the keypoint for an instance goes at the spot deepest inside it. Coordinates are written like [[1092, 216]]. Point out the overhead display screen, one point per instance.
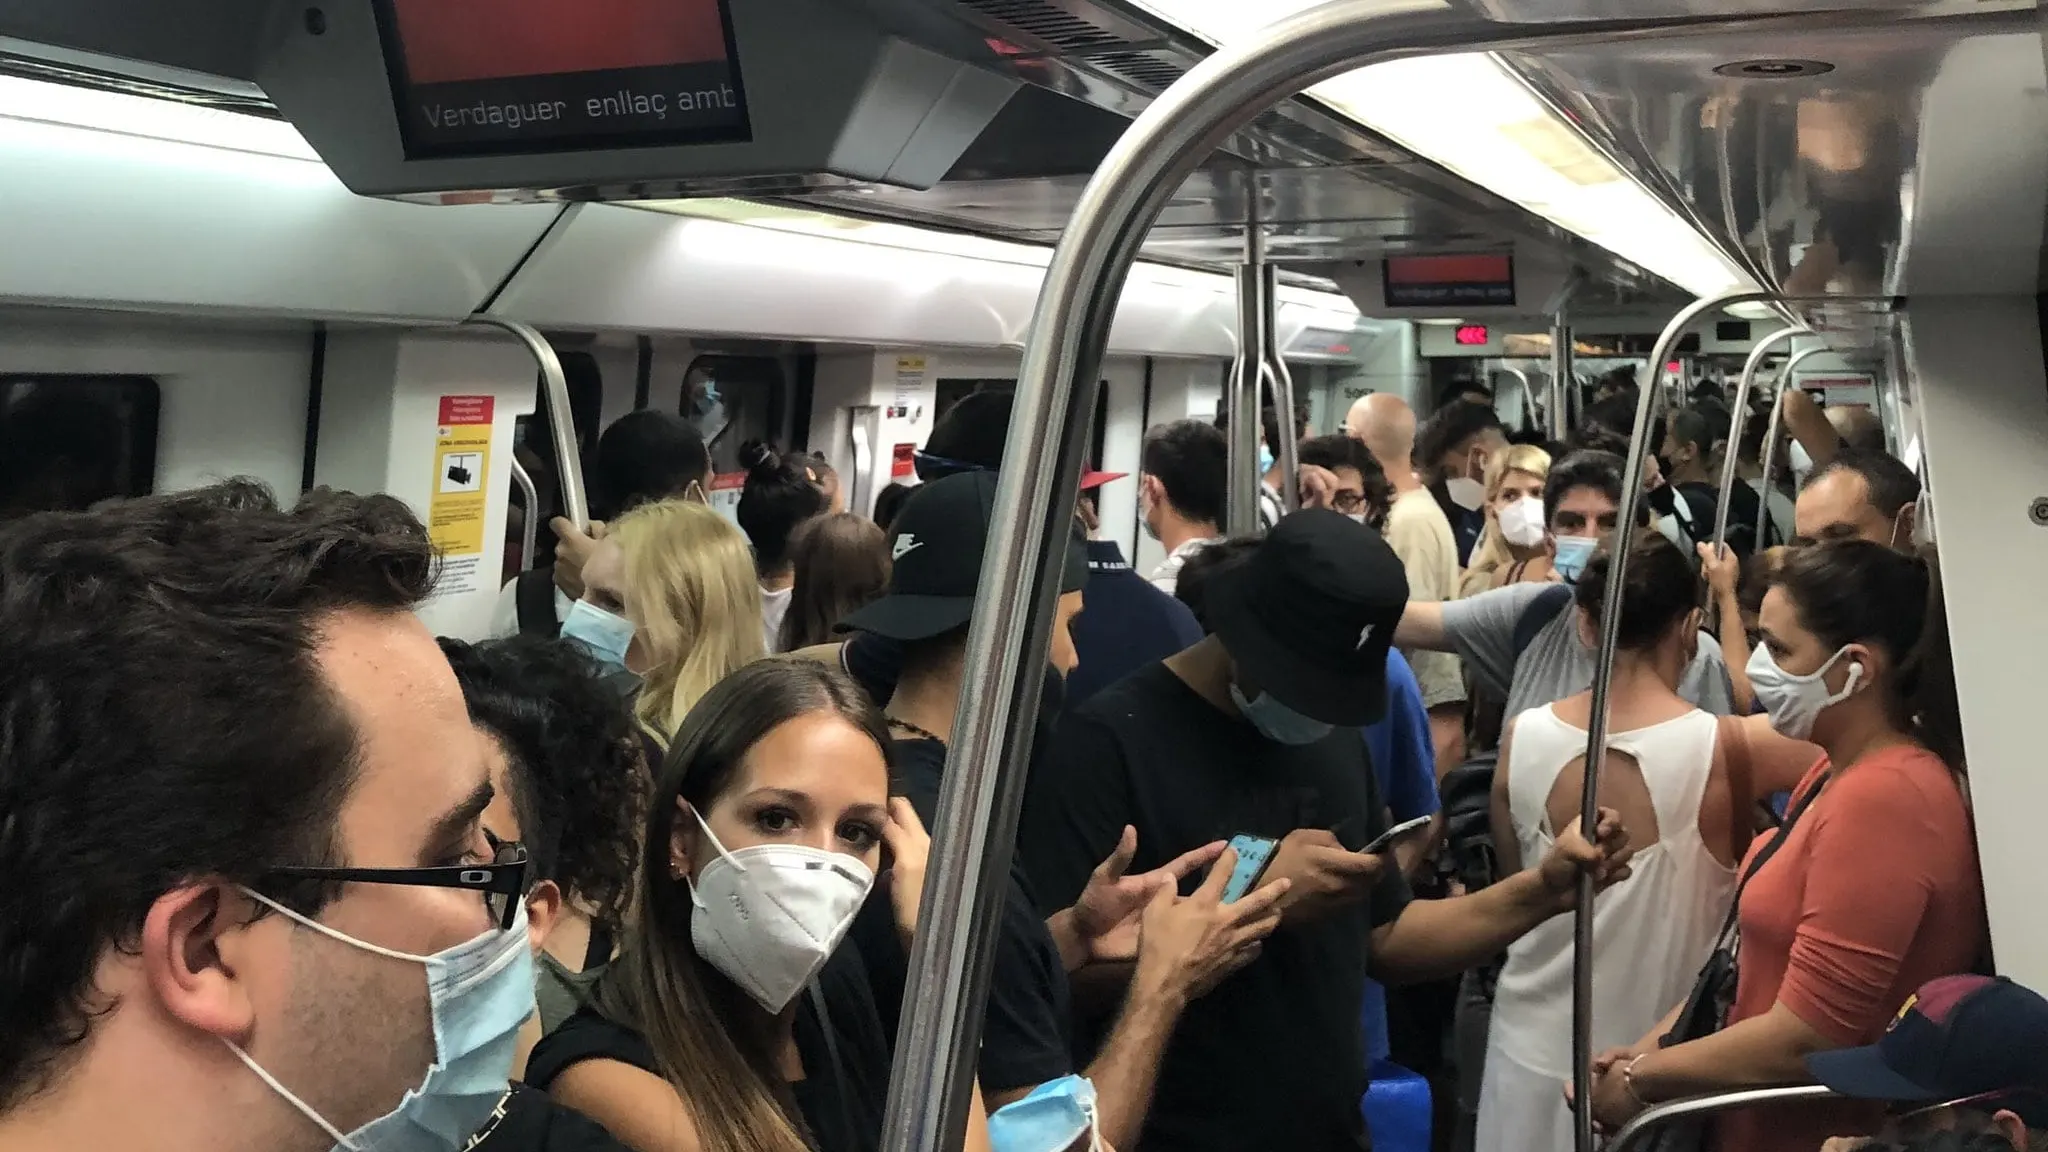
[[1450, 281], [498, 77]]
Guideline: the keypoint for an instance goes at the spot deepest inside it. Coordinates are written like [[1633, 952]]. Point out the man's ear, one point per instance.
[[543, 912], [2012, 1128], [198, 945]]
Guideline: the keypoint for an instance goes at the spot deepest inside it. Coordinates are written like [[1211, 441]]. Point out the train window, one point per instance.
[[70, 441], [952, 390], [731, 400]]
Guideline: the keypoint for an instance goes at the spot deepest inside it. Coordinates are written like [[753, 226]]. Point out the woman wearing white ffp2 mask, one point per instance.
[[733, 1017], [1511, 549]]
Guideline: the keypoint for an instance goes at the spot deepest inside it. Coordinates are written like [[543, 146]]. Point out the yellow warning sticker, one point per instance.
[[455, 511]]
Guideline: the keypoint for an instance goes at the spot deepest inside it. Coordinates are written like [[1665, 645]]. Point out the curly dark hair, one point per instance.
[[163, 718], [579, 780]]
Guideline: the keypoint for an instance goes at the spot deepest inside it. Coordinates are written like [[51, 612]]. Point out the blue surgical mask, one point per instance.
[[1051, 1119], [605, 635], [479, 993], [1265, 459], [1572, 554], [1276, 721]]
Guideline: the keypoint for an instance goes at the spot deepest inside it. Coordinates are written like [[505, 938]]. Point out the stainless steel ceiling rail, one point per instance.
[[1563, 381], [529, 528], [1738, 419], [975, 830], [555, 390], [1646, 1123], [1770, 446]]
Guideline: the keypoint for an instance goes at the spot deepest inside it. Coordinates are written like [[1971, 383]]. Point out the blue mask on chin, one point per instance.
[[1051, 1119], [1276, 721], [1572, 554], [1265, 459]]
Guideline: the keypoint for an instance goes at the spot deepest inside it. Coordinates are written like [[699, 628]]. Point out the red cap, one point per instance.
[[1098, 479]]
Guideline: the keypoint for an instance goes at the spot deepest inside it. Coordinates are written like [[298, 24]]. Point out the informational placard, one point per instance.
[[724, 496], [909, 379], [455, 507], [479, 77], [1841, 389], [902, 461]]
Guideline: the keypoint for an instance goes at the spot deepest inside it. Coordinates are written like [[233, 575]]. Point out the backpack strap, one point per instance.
[[1729, 734], [534, 595], [1545, 607]]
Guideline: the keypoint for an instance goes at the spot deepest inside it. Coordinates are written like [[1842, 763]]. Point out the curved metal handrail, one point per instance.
[[1528, 394], [529, 530], [1770, 446], [1740, 408], [973, 835], [1693, 1106], [555, 387]]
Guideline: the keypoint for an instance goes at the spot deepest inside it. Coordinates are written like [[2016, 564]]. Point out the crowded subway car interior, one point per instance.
[[1027, 575]]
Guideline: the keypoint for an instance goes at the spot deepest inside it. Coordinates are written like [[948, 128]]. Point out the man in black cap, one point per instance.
[[1253, 732], [938, 540], [1967, 1055]]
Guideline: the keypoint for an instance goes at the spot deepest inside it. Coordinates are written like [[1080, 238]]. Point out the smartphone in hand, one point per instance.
[[1381, 842], [1254, 853]]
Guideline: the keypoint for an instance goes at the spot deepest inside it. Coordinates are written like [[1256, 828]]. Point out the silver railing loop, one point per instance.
[[1603, 680], [1770, 447], [1646, 1123], [1740, 417], [1529, 409], [529, 528], [555, 390]]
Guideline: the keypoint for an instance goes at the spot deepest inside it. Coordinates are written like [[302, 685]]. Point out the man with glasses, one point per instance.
[[251, 905], [1967, 1055]]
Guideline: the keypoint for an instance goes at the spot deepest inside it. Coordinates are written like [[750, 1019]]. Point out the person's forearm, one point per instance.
[[1438, 938], [1734, 650], [1422, 626], [1127, 1068], [1066, 936], [1763, 1051]]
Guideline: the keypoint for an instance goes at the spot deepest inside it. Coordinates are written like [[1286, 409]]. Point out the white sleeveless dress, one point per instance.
[[1651, 932]]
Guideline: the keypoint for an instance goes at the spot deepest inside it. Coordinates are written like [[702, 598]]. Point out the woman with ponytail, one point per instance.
[[1871, 887]]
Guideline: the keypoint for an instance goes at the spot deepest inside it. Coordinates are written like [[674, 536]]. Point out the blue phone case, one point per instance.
[[1253, 854]]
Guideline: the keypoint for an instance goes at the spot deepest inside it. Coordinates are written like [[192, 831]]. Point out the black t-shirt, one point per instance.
[[846, 1083], [1024, 1041], [528, 1121], [1274, 1057]]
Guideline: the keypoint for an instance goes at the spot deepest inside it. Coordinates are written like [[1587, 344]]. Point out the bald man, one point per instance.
[[1420, 535]]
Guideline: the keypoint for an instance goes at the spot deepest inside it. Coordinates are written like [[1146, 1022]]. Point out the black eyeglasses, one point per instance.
[[502, 882]]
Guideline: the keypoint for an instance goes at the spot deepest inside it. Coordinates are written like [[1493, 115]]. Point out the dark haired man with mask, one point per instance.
[[1252, 733], [1858, 496], [253, 907]]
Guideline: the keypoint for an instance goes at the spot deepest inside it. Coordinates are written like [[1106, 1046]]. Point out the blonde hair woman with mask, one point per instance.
[[734, 1020], [1511, 549], [670, 597]]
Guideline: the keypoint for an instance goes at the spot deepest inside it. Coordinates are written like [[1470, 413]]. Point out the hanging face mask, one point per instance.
[[1795, 702], [1051, 1119], [1265, 459], [1465, 492], [1801, 462], [1572, 554], [479, 993], [769, 916], [605, 635], [1521, 523], [1356, 517], [1276, 721]]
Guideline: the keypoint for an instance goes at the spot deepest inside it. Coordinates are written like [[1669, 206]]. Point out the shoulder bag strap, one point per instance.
[[1769, 850], [1741, 784]]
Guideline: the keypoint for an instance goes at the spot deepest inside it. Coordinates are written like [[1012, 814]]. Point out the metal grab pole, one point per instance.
[[1770, 447], [1241, 411], [555, 389], [974, 833], [1649, 1118], [1561, 379], [1288, 451], [529, 530], [1741, 410], [1528, 394], [1603, 680]]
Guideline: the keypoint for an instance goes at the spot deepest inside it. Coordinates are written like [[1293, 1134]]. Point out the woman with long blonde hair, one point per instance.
[[670, 596], [1511, 549]]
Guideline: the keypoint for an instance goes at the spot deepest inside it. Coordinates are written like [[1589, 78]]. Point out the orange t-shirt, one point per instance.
[[1876, 892]]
